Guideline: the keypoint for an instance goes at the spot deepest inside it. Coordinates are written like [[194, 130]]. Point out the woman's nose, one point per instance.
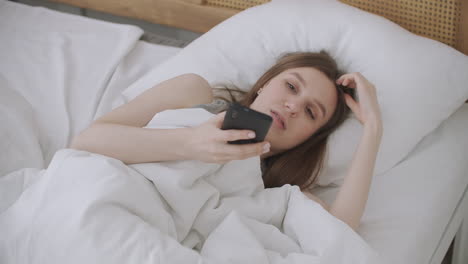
[[291, 107]]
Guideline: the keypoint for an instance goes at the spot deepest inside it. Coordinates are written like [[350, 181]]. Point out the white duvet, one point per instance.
[[89, 208]]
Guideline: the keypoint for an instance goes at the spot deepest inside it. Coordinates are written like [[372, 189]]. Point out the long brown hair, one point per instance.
[[302, 164]]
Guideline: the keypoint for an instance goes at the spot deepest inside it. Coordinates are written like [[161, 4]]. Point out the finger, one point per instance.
[[344, 76], [248, 150], [233, 135], [352, 104], [352, 81], [255, 149], [347, 80], [340, 79]]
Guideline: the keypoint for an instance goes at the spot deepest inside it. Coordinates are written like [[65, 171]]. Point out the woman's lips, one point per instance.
[[278, 120]]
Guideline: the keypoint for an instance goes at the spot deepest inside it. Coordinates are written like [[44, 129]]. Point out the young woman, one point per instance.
[[305, 95]]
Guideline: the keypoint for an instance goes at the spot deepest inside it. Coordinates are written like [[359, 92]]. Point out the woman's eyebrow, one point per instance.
[[301, 80], [298, 76]]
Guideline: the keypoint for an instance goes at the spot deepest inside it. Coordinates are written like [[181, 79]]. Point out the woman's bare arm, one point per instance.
[[352, 197], [119, 134]]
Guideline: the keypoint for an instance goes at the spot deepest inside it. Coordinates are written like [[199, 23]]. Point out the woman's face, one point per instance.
[[300, 101]]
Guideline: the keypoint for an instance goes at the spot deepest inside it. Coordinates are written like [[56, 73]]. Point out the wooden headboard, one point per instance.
[[445, 21]]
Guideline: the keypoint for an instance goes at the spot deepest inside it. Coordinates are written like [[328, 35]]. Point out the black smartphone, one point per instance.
[[241, 117]]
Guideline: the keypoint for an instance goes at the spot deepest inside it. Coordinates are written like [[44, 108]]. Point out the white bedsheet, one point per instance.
[[410, 206], [88, 208]]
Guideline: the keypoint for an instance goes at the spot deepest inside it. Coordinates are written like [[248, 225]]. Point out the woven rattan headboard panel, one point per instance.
[[236, 4], [436, 19]]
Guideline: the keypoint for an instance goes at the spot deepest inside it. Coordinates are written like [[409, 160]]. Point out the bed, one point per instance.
[[413, 214]]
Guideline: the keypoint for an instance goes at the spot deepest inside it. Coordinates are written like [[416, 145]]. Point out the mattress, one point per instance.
[[410, 206]]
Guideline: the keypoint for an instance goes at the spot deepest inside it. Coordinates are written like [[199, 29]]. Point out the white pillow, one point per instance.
[[419, 81]]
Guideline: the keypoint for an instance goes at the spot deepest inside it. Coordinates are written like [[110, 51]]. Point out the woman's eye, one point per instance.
[[311, 114], [291, 87]]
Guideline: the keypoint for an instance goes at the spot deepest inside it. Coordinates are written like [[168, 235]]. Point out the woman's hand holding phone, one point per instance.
[[209, 143]]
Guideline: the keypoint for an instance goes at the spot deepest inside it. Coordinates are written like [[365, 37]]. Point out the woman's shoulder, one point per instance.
[[193, 77], [192, 81]]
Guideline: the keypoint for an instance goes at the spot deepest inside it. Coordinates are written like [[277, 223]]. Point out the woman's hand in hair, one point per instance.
[[367, 109], [208, 143], [351, 199]]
